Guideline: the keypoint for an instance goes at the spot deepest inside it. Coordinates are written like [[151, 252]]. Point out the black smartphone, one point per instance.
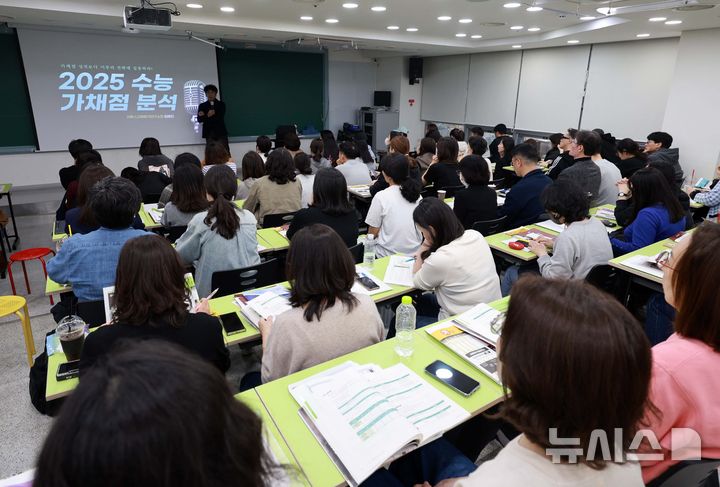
[[68, 370], [367, 283], [608, 223], [232, 324], [462, 383]]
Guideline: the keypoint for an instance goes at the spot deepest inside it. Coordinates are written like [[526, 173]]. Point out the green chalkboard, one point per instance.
[[264, 89], [16, 121]]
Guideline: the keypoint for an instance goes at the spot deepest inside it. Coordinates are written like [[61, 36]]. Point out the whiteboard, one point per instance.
[[628, 87], [444, 88], [551, 88], [493, 88]]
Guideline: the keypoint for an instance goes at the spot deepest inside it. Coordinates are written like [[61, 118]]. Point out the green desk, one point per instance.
[[277, 444], [272, 240], [52, 287], [514, 256], [55, 389], [147, 219], [361, 191], [318, 467], [653, 249], [239, 203]]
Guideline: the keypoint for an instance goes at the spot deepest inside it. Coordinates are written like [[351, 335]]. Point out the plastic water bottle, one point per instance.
[[405, 327], [369, 252]]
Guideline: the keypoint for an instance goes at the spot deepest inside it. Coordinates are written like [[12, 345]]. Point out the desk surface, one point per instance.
[[653, 249], [54, 388], [318, 467], [5, 188], [361, 191]]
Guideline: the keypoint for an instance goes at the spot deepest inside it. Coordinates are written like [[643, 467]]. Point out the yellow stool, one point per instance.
[[14, 304]]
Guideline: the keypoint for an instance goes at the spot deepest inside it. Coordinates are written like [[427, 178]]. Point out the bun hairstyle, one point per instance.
[[397, 167]]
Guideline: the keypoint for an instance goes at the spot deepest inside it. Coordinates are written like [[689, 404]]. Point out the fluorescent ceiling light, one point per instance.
[[516, 46], [392, 27], [444, 17], [642, 35], [673, 22], [350, 5], [657, 19], [533, 29], [460, 35], [412, 29], [512, 5], [573, 41], [331, 21], [476, 36], [534, 8], [306, 17], [465, 21], [517, 27], [227, 9], [378, 8], [193, 5], [587, 17]]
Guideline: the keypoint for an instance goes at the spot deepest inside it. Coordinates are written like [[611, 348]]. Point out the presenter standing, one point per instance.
[[212, 115]]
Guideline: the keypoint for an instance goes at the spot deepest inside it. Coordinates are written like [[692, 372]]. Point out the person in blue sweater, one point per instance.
[[522, 204], [657, 214]]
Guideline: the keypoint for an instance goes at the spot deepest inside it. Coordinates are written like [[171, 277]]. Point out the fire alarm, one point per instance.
[[411, 101]]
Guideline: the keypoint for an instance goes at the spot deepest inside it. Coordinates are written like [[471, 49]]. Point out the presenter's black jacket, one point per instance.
[[213, 127]]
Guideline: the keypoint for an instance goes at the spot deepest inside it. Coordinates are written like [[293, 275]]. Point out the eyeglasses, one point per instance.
[[565, 137], [663, 258]]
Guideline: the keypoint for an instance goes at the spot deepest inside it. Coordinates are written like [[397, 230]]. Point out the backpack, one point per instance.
[[38, 383]]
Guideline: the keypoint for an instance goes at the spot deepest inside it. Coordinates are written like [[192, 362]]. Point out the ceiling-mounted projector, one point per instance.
[[144, 18]]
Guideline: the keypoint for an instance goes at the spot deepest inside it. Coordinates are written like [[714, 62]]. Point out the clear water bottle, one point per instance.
[[405, 327], [369, 252]]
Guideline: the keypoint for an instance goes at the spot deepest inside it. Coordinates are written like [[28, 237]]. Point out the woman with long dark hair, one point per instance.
[[221, 238], [444, 173], [188, 197], [330, 146], [151, 301], [390, 213], [217, 155], [279, 191], [631, 157], [253, 168], [318, 158], [153, 159], [327, 319]]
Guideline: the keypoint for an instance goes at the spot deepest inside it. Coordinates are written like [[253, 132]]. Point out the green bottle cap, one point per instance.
[[406, 300]]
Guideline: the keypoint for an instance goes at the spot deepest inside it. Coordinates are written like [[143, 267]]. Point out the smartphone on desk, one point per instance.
[[231, 323], [367, 283], [68, 370], [452, 377]]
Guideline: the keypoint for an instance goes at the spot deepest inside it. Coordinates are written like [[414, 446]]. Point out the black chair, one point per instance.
[[93, 312], [496, 182], [603, 277], [151, 198], [489, 227], [277, 219], [357, 252], [451, 190], [238, 280], [690, 473], [171, 233]]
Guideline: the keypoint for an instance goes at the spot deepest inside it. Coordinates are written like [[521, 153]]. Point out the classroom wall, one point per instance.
[[351, 83], [393, 75]]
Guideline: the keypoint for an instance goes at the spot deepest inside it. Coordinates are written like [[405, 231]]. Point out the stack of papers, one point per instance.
[[480, 322], [154, 212], [644, 264], [605, 214], [362, 190], [399, 271], [551, 225], [263, 303], [365, 416]]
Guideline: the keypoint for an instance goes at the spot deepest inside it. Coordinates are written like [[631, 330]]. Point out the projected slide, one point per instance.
[[115, 90]]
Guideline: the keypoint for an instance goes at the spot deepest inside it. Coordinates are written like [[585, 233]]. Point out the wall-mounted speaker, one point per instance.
[[416, 69]]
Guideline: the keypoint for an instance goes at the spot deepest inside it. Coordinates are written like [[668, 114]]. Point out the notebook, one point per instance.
[[483, 322], [399, 271], [365, 416], [263, 303]]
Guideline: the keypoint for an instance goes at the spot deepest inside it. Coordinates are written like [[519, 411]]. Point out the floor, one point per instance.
[[22, 428]]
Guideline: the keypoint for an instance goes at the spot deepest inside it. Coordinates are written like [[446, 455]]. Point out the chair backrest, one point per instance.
[[692, 473], [357, 252], [238, 280], [277, 219], [451, 190], [176, 232], [151, 198], [93, 312], [603, 277], [489, 227]]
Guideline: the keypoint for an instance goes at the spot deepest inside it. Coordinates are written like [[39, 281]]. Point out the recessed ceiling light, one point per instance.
[[534, 8], [606, 10], [657, 19], [350, 5], [512, 5], [228, 9], [517, 27], [378, 8], [573, 41], [642, 35], [587, 17], [393, 27], [460, 35], [193, 5], [332, 21], [533, 29], [476, 36], [412, 29], [673, 22], [516, 46], [306, 17], [444, 17], [465, 21]]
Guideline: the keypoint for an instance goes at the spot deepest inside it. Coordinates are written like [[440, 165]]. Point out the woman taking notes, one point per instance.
[[326, 320], [390, 214], [151, 301], [453, 262], [221, 238]]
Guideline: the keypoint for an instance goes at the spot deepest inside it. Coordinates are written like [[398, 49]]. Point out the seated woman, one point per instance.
[[150, 184], [253, 168], [153, 159], [329, 206], [69, 199], [710, 198], [398, 145], [426, 153], [154, 397], [657, 213], [330, 146], [444, 172], [223, 237], [631, 157], [459, 135], [505, 147], [188, 197], [81, 219], [305, 176], [151, 301], [279, 191], [453, 262], [478, 202], [217, 155], [327, 320], [318, 159], [390, 213], [263, 146], [685, 379], [181, 159], [582, 245]]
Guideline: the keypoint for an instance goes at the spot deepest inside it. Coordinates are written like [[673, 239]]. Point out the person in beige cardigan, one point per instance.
[[279, 191]]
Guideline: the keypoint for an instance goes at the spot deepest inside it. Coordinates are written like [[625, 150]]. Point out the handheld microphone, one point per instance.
[[193, 97]]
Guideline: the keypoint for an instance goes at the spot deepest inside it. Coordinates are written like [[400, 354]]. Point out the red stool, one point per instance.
[[29, 254]]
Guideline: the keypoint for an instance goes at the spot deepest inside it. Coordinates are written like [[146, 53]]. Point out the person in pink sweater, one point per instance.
[[685, 385]]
